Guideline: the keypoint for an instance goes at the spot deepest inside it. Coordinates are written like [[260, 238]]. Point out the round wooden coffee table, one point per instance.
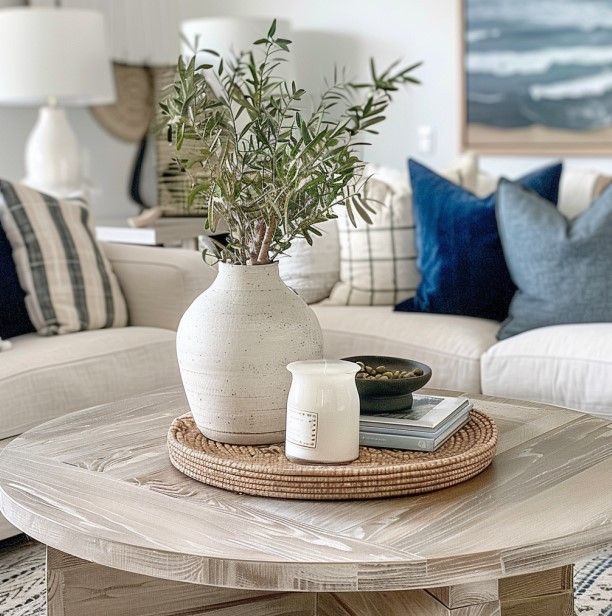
[[128, 534]]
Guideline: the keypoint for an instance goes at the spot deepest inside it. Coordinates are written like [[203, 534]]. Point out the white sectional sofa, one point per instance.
[[566, 365], [42, 378]]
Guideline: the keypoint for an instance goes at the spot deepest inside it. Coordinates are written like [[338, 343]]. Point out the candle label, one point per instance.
[[302, 428]]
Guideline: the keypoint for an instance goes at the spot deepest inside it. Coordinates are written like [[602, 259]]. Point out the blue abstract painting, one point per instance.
[[538, 72]]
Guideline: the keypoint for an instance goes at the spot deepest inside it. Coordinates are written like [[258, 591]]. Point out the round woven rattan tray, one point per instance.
[[263, 470]]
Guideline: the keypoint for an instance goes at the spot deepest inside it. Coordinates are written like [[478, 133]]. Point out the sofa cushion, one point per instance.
[[568, 365], [69, 283], [451, 345], [561, 267], [460, 255], [312, 271], [42, 378]]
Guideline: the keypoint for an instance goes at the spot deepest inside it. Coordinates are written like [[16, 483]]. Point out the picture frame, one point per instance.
[[535, 98]]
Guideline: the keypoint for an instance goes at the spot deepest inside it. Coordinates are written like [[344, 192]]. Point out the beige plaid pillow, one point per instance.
[[378, 261]]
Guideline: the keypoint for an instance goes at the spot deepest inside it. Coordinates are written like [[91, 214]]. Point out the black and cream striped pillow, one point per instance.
[[69, 283]]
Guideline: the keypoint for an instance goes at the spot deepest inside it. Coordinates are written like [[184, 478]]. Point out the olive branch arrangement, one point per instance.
[[263, 163]]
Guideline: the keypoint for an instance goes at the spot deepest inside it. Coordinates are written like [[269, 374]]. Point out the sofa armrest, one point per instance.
[[158, 283]]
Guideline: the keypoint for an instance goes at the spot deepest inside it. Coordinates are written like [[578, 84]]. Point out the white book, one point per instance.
[[428, 414], [460, 415], [411, 442]]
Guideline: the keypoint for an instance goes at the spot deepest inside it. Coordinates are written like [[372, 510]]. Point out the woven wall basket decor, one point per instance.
[[129, 118], [377, 473]]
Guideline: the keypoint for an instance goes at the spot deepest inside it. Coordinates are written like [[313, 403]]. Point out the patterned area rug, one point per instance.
[[22, 578], [593, 586], [22, 581]]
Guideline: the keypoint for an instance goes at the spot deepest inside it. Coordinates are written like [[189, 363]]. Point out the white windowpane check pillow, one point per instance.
[[378, 261], [68, 281]]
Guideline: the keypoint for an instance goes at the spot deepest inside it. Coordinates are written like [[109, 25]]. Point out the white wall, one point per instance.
[[328, 32], [350, 31]]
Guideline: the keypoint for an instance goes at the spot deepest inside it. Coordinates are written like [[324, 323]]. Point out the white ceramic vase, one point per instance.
[[234, 344]]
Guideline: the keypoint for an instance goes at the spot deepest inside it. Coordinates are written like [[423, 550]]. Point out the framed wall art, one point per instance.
[[537, 76]]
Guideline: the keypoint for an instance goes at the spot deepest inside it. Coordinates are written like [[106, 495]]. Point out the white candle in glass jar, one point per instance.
[[322, 412]]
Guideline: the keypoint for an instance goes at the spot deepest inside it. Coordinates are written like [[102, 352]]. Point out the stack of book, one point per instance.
[[424, 427]]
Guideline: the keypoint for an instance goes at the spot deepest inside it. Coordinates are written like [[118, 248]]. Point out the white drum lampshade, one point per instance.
[[230, 35], [51, 57]]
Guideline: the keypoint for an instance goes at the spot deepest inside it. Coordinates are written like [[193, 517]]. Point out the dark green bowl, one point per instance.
[[391, 395]]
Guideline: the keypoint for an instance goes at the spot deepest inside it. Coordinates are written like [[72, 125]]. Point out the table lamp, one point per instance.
[[52, 57], [231, 35]]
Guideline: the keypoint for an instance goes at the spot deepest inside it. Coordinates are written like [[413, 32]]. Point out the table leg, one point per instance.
[[545, 593], [397, 603], [76, 587]]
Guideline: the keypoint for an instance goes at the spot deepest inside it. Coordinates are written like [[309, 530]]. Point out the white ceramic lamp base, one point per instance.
[[52, 157]]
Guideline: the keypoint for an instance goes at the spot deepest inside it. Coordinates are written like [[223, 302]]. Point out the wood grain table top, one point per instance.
[[98, 484]]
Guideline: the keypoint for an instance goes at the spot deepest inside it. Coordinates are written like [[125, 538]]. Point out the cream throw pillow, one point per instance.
[[578, 188], [312, 271]]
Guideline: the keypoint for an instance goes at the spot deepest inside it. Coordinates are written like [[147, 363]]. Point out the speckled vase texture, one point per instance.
[[233, 346]]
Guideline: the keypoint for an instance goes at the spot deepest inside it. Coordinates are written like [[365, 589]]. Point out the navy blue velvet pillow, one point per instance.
[[14, 319], [460, 256]]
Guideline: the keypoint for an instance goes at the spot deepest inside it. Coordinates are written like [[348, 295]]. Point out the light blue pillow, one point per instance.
[[562, 268]]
